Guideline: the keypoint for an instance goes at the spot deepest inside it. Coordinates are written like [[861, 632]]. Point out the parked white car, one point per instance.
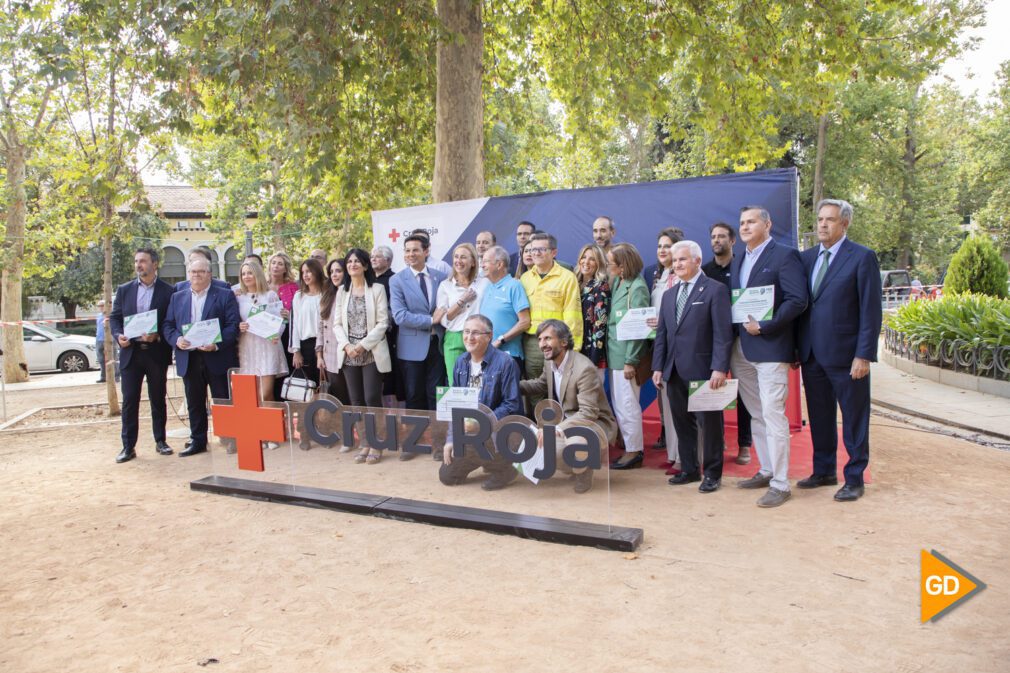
[[47, 349]]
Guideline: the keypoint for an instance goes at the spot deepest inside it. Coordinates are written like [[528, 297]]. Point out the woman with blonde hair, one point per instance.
[[261, 357], [595, 286], [629, 292], [281, 280], [458, 298]]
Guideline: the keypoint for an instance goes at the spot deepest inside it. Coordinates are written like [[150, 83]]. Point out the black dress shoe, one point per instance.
[[709, 485], [848, 493], [684, 478], [125, 455], [627, 461], [815, 480], [163, 448], [192, 451]]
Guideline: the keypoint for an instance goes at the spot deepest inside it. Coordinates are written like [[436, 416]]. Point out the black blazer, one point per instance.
[[701, 343], [125, 304], [778, 265]]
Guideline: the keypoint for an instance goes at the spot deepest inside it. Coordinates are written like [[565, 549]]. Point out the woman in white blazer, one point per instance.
[[360, 319]]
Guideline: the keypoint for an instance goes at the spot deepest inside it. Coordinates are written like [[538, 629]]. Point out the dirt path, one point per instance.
[[109, 567]]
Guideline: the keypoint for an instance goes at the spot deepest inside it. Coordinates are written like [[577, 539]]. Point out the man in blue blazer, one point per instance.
[[837, 342], [693, 342], [764, 349], [207, 365], [412, 297], [143, 357]]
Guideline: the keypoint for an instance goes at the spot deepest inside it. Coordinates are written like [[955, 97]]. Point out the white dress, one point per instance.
[[257, 355]]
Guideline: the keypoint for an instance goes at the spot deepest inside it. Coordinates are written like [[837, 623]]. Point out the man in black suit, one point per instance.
[[523, 232], [765, 349], [146, 356], [837, 342], [693, 341]]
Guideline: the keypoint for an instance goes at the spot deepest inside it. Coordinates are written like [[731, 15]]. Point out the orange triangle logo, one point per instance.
[[943, 585]]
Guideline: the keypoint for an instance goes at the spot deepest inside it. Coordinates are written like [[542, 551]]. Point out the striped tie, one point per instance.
[[682, 301], [826, 254]]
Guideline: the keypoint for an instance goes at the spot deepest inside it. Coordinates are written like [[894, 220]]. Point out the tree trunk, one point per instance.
[[459, 104], [822, 146], [15, 365], [69, 308], [109, 212], [907, 210]]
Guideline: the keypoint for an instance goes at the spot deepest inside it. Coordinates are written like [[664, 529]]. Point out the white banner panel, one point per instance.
[[444, 222]]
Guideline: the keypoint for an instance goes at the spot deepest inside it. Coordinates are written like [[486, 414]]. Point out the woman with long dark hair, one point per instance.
[[595, 287], [305, 325], [327, 349], [360, 319]]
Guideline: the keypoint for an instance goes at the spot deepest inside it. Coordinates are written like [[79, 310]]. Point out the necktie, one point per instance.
[[826, 255], [682, 301], [424, 288]]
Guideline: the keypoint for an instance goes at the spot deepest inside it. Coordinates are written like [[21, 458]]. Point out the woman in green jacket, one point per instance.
[[628, 291]]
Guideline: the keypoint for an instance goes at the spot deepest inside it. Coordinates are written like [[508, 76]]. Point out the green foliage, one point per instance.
[[976, 319], [75, 279], [991, 170], [977, 267]]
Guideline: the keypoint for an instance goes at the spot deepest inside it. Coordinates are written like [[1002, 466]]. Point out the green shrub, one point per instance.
[[974, 318], [977, 267]]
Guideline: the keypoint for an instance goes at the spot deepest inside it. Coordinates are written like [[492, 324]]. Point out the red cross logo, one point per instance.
[[394, 234], [248, 422]]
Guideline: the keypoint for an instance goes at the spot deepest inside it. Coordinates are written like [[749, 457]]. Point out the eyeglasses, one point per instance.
[[474, 333], [538, 250]]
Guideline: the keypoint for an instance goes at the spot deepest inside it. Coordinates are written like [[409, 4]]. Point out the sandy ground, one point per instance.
[[109, 567]]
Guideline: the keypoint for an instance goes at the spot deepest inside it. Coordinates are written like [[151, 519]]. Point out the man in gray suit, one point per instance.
[[412, 294]]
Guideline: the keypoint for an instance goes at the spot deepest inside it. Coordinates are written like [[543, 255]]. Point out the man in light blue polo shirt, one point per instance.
[[505, 304]]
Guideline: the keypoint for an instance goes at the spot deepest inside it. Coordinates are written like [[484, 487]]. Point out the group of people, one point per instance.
[[526, 327]]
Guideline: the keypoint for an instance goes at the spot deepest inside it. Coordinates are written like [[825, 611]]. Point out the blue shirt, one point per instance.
[[501, 304], [100, 330], [145, 293], [749, 259], [499, 381], [820, 258]]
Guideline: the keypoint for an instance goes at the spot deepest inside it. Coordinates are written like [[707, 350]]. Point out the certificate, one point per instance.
[[273, 308], [449, 398], [700, 397], [632, 324], [533, 464], [264, 324], [202, 333], [758, 302], [140, 324]]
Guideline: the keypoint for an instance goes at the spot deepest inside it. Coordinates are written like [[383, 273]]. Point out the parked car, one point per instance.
[[48, 349], [896, 287]]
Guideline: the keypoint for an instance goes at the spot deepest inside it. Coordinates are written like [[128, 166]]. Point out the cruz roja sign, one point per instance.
[[250, 423]]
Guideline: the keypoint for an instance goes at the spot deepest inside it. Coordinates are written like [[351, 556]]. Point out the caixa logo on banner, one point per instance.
[[514, 438]]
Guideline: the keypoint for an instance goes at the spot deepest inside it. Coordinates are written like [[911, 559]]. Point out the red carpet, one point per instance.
[[800, 454]]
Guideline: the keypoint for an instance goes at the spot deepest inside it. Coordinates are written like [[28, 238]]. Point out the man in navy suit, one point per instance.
[[207, 365], [693, 342], [837, 342], [412, 293], [764, 349], [145, 356]]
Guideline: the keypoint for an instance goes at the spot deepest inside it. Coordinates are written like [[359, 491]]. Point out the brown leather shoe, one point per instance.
[[743, 456]]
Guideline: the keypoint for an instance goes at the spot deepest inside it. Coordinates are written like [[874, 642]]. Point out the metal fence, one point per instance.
[[957, 355], [898, 295]]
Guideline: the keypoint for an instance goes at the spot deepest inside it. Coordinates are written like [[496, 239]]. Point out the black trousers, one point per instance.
[[197, 379], [743, 436], [364, 385], [420, 378], [336, 385], [686, 423], [143, 365]]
